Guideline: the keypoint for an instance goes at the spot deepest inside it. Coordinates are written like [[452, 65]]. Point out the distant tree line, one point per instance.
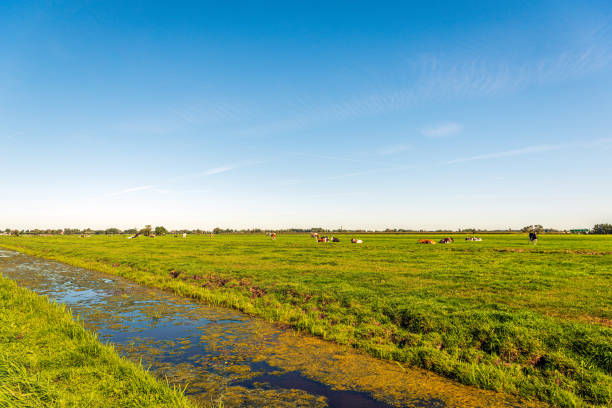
[[602, 229], [160, 230], [148, 230]]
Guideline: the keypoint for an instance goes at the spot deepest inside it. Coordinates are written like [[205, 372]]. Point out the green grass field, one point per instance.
[[49, 360], [497, 314]]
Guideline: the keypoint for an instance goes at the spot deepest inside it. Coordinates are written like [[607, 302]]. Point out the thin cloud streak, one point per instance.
[[217, 170], [129, 190], [325, 157], [179, 191], [604, 143], [336, 158], [154, 189], [11, 136], [210, 172], [441, 80], [331, 195], [508, 153], [442, 130], [348, 175], [394, 149]]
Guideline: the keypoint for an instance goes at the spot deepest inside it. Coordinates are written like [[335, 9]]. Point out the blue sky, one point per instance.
[[356, 114]]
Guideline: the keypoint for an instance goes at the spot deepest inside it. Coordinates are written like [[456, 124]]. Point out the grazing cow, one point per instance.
[[184, 235], [334, 239], [447, 240], [314, 235], [533, 237], [356, 241], [323, 239], [426, 241]]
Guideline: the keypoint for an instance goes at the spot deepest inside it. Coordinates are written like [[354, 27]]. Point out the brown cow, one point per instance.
[[426, 241]]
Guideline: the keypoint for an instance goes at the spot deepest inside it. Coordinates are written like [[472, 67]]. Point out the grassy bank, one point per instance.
[[49, 360], [497, 314]]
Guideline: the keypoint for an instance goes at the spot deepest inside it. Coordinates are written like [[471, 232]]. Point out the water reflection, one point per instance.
[[219, 352]]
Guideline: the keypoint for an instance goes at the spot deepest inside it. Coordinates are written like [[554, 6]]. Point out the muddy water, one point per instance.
[[221, 353]]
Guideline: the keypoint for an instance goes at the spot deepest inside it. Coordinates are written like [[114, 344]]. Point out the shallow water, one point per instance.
[[221, 353]]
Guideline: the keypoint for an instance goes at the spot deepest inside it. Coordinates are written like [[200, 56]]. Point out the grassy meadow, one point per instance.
[[49, 360], [498, 314]]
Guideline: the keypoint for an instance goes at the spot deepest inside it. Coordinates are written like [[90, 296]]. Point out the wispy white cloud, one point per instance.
[[480, 77], [508, 153], [179, 191], [326, 157], [442, 130], [604, 143], [156, 190], [363, 160], [181, 116], [129, 190], [347, 175], [208, 112], [422, 80], [217, 170], [11, 136], [431, 78], [394, 149], [331, 195], [597, 143]]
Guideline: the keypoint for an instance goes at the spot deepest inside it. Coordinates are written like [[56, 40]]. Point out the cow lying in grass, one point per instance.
[[356, 241], [473, 239], [326, 239], [447, 240], [426, 241]]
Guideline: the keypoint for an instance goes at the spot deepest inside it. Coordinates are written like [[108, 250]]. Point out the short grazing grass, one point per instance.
[[497, 314], [49, 360]]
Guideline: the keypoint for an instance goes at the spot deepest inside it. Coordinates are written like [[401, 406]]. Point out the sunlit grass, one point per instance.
[[49, 360], [498, 314]]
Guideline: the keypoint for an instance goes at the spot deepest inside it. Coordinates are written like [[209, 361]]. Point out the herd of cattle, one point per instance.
[[446, 240], [324, 238]]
